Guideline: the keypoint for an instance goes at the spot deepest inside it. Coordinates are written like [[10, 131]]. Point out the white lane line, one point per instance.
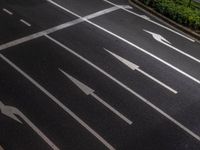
[[148, 19], [137, 47], [7, 11], [55, 100], [25, 22], [128, 89], [88, 91], [134, 67], [15, 113], [69, 11], [164, 41], [56, 28]]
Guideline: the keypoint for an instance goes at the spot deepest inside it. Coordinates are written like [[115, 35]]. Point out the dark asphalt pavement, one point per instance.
[[138, 69]]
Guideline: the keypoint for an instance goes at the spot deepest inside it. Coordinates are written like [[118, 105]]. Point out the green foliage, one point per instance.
[[178, 11]]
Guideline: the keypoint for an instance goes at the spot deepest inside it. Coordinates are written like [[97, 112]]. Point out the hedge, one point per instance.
[[178, 11]]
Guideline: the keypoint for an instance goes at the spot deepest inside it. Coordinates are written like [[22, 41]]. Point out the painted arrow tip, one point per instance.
[[157, 37], [9, 112], [87, 90], [124, 61]]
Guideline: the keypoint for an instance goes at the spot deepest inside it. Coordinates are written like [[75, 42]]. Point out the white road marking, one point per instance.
[[7, 11], [63, 8], [128, 89], [56, 28], [14, 113], [135, 67], [88, 91], [148, 19], [137, 47], [55, 100], [162, 40], [25, 22]]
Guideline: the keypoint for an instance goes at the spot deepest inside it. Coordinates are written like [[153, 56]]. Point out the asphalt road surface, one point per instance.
[[95, 75]]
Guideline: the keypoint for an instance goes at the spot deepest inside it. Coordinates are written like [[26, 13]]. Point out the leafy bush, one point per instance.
[[177, 10]]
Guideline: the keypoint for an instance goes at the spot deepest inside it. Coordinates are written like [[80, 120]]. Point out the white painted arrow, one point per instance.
[[162, 40], [88, 91], [135, 67], [13, 113]]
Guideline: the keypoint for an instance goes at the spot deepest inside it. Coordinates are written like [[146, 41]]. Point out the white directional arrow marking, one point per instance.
[[135, 67], [162, 40], [88, 91], [13, 113]]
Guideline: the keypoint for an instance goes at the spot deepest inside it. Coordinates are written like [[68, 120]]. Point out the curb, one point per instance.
[[145, 8]]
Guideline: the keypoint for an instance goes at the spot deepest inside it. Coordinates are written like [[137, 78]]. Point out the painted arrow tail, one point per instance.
[[88, 91], [135, 67], [13, 113]]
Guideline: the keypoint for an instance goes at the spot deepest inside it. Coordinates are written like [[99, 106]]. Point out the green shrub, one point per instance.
[[177, 10]]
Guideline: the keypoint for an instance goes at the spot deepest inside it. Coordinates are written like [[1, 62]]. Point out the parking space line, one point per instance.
[[55, 100], [88, 91], [154, 22], [137, 47], [25, 22], [178, 124], [7, 11]]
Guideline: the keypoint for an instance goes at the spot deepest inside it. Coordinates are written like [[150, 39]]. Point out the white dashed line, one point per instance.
[[7, 11], [25, 22]]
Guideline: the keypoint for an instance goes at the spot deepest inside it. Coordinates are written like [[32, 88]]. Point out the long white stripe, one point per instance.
[[56, 28], [139, 48], [127, 88], [180, 51], [88, 91], [157, 81], [116, 112], [134, 67], [54, 99], [156, 23], [37, 130]]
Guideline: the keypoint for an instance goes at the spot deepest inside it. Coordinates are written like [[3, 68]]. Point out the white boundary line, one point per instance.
[[55, 100], [133, 45], [128, 89], [156, 23]]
